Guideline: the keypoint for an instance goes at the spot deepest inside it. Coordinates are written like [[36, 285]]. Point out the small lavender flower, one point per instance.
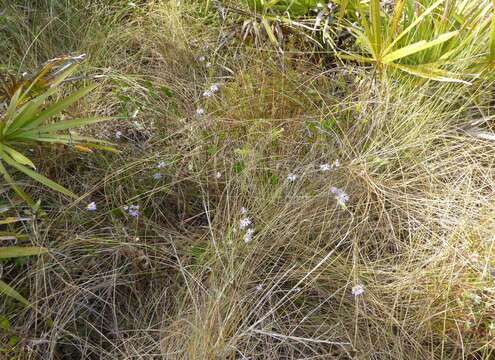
[[215, 88], [340, 195], [357, 290], [248, 236], [91, 206], [218, 175], [161, 165], [244, 223], [118, 134], [202, 58], [200, 112], [325, 167], [132, 210], [259, 287], [292, 177], [208, 94], [243, 210], [157, 176]]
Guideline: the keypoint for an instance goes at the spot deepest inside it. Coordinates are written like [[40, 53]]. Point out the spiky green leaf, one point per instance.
[[9, 291]]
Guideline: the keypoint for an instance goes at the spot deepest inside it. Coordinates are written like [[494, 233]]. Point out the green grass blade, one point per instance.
[[62, 139], [14, 186], [9, 291], [412, 25], [63, 125], [417, 47], [19, 251], [9, 114], [354, 57], [8, 236], [11, 220], [368, 33], [17, 156], [269, 31], [36, 176], [59, 106], [430, 72], [376, 25], [396, 17]]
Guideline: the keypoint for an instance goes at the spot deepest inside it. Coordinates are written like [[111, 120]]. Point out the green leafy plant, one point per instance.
[[417, 37], [27, 120]]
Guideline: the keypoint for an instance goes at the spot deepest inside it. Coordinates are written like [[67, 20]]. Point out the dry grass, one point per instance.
[[180, 282]]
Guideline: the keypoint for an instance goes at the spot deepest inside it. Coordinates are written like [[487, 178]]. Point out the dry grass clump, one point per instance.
[[305, 213], [398, 234]]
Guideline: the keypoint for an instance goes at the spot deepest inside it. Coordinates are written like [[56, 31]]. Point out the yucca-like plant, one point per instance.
[[28, 118], [418, 37], [14, 251]]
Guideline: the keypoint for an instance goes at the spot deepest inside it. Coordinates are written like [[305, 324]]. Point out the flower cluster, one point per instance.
[[211, 91], [292, 177], [208, 93], [160, 165], [340, 195], [357, 290], [132, 210], [200, 112], [245, 224], [248, 236], [91, 206], [327, 167]]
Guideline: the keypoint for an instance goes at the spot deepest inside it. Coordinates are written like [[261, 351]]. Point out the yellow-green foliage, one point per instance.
[[26, 121]]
